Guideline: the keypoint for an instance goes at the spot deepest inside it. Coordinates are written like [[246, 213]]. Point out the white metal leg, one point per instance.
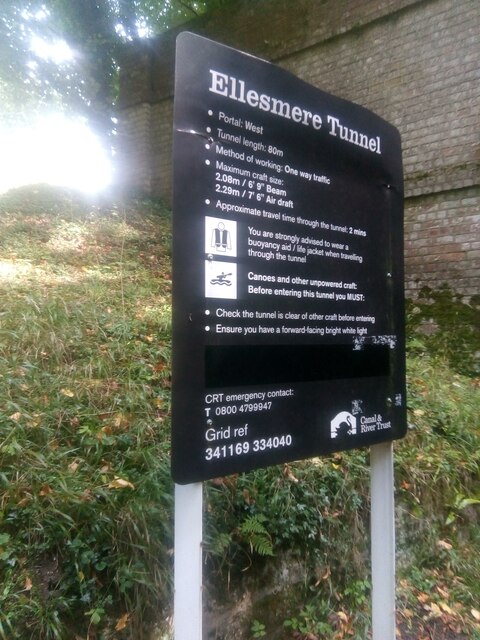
[[383, 541], [188, 562]]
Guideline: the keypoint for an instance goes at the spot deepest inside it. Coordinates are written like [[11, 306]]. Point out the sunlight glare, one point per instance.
[[58, 51], [54, 150]]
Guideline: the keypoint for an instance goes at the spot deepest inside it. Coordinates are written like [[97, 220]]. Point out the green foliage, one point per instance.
[[95, 32], [258, 629], [438, 471], [358, 592], [253, 531], [309, 623], [315, 513], [85, 489], [302, 506], [444, 433], [442, 323]]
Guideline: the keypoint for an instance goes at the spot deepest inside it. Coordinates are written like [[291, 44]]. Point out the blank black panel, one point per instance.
[[229, 366]]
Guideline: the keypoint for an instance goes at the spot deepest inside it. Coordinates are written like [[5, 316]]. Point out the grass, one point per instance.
[[438, 480], [85, 494], [86, 502]]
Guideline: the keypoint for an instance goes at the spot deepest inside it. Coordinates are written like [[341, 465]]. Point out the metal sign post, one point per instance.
[[382, 541], [188, 562]]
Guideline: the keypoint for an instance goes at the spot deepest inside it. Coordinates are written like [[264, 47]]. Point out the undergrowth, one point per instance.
[[315, 513], [86, 504], [85, 490]]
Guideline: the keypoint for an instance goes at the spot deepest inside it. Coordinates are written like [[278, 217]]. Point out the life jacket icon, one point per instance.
[[221, 238]]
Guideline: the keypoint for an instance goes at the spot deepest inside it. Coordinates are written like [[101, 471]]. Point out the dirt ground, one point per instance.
[[433, 630]]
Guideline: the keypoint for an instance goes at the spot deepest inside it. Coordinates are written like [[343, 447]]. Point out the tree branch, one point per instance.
[[188, 7]]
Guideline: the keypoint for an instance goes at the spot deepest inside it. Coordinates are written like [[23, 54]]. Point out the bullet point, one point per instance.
[[207, 312], [210, 112], [207, 146], [207, 328], [209, 130], [207, 161], [207, 201]]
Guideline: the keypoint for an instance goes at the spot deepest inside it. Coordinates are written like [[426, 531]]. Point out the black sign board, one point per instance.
[[288, 303]]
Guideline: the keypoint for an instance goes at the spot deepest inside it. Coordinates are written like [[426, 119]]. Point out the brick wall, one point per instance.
[[415, 63], [442, 242]]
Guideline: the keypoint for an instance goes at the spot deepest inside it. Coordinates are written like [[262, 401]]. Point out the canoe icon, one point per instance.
[[222, 279]]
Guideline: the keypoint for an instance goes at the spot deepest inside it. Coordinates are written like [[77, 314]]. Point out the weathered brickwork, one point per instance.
[[135, 149], [442, 242], [415, 63], [161, 161]]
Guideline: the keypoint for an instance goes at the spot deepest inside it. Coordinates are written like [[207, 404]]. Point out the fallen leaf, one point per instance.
[[325, 576], [443, 544], [45, 490], [34, 422], [16, 416], [28, 584], [73, 466], [246, 496], [287, 472], [443, 592], [120, 421], [444, 607], [122, 622], [476, 614], [120, 483], [67, 392], [435, 609]]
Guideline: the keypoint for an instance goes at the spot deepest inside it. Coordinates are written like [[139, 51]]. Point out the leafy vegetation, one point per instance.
[[442, 323], [75, 61], [317, 512], [85, 493]]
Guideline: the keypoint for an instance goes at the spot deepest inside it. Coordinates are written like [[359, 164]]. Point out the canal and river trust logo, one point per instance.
[[343, 424]]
